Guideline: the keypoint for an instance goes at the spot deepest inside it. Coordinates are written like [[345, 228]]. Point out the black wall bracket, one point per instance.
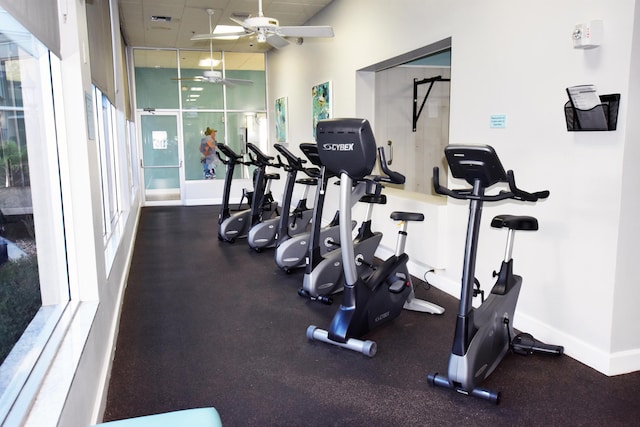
[[416, 83]]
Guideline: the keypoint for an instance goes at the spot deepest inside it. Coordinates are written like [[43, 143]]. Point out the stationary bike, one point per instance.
[[324, 273], [347, 147], [483, 335], [232, 226], [303, 248], [268, 233]]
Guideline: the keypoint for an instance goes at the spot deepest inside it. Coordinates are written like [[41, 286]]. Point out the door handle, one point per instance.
[[390, 158]]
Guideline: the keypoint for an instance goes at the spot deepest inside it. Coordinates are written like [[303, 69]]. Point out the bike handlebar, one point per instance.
[[261, 158], [392, 177], [467, 193], [295, 163], [231, 156]]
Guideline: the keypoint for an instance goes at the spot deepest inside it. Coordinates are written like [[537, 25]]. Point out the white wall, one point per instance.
[[625, 312], [512, 58]]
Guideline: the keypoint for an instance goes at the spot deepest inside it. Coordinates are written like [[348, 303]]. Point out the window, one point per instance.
[[108, 151], [193, 83], [34, 287]]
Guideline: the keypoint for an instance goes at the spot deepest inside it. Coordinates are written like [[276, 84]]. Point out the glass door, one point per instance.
[[161, 160]]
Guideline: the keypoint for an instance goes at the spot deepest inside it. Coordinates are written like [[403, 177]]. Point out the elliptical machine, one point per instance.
[[347, 147], [232, 226], [483, 335], [268, 233]]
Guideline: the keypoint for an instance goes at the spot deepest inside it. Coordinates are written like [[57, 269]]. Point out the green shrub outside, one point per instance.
[[19, 300]]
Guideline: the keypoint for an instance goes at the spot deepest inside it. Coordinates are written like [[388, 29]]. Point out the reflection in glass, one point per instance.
[[156, 72], [194, 124], [196, 91], [236, 111], [161, 159], [19, 282]]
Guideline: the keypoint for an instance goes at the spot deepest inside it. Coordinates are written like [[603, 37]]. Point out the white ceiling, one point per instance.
[[189, 17]]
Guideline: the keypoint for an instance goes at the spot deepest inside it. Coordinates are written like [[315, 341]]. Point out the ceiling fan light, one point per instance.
[[262, 37], [208, 62]]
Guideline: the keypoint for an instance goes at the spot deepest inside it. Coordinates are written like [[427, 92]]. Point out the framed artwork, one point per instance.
[[321, 103], [281, 119]]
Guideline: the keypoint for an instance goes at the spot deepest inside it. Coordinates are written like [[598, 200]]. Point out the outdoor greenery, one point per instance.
[[14, 164], [19, 300]]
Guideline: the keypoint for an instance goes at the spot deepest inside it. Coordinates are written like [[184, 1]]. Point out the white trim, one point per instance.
[[67, 345], [105, 371], [17, 368]]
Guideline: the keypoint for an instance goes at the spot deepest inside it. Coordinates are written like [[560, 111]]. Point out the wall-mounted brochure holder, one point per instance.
[[602, 117]]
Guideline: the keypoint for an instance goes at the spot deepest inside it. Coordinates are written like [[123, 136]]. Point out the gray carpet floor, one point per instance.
[[208, 323]]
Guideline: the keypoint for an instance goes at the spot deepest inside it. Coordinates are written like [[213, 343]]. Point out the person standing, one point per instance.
[[208, 151]]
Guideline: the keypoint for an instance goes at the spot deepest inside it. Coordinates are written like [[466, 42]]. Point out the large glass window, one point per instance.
[[34, 287], [108, 164], [198, 72], [19, 284], [194, 125], [246, 66], [156, 73], [208, 95]]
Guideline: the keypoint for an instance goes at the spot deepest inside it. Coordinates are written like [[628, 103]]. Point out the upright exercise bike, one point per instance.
[[347, 147], [268, 233], [483, 335], [309, 247], [232, 226]]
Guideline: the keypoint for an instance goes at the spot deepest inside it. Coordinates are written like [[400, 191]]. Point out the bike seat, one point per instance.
[[379, 199], [313, 172], [406, 216], [515, 222]]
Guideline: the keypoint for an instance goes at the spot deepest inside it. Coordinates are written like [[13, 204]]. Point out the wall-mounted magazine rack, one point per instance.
[[590, 120]]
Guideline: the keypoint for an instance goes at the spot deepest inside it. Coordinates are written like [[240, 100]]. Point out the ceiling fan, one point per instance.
[[268, 30], [214, 76]]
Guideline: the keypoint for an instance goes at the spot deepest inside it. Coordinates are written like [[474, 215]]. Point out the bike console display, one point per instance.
[[475, 162], [347, 146]]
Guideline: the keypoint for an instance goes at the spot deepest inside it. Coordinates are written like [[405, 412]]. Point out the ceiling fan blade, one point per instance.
[[195, 79], [242, 24], [306, 31], [236, 81], [213, 36], [276, 41]]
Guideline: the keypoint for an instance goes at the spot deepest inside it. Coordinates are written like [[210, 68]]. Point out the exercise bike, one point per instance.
[[483, 335], [312, 245], [324, 272], [347, 147], [268, 233], [232, 226]]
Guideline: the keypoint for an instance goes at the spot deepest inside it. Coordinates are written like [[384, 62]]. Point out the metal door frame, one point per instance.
[[180, 165]]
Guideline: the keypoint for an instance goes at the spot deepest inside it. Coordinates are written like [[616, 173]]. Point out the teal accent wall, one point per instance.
[[156, 89], [247, 97]]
